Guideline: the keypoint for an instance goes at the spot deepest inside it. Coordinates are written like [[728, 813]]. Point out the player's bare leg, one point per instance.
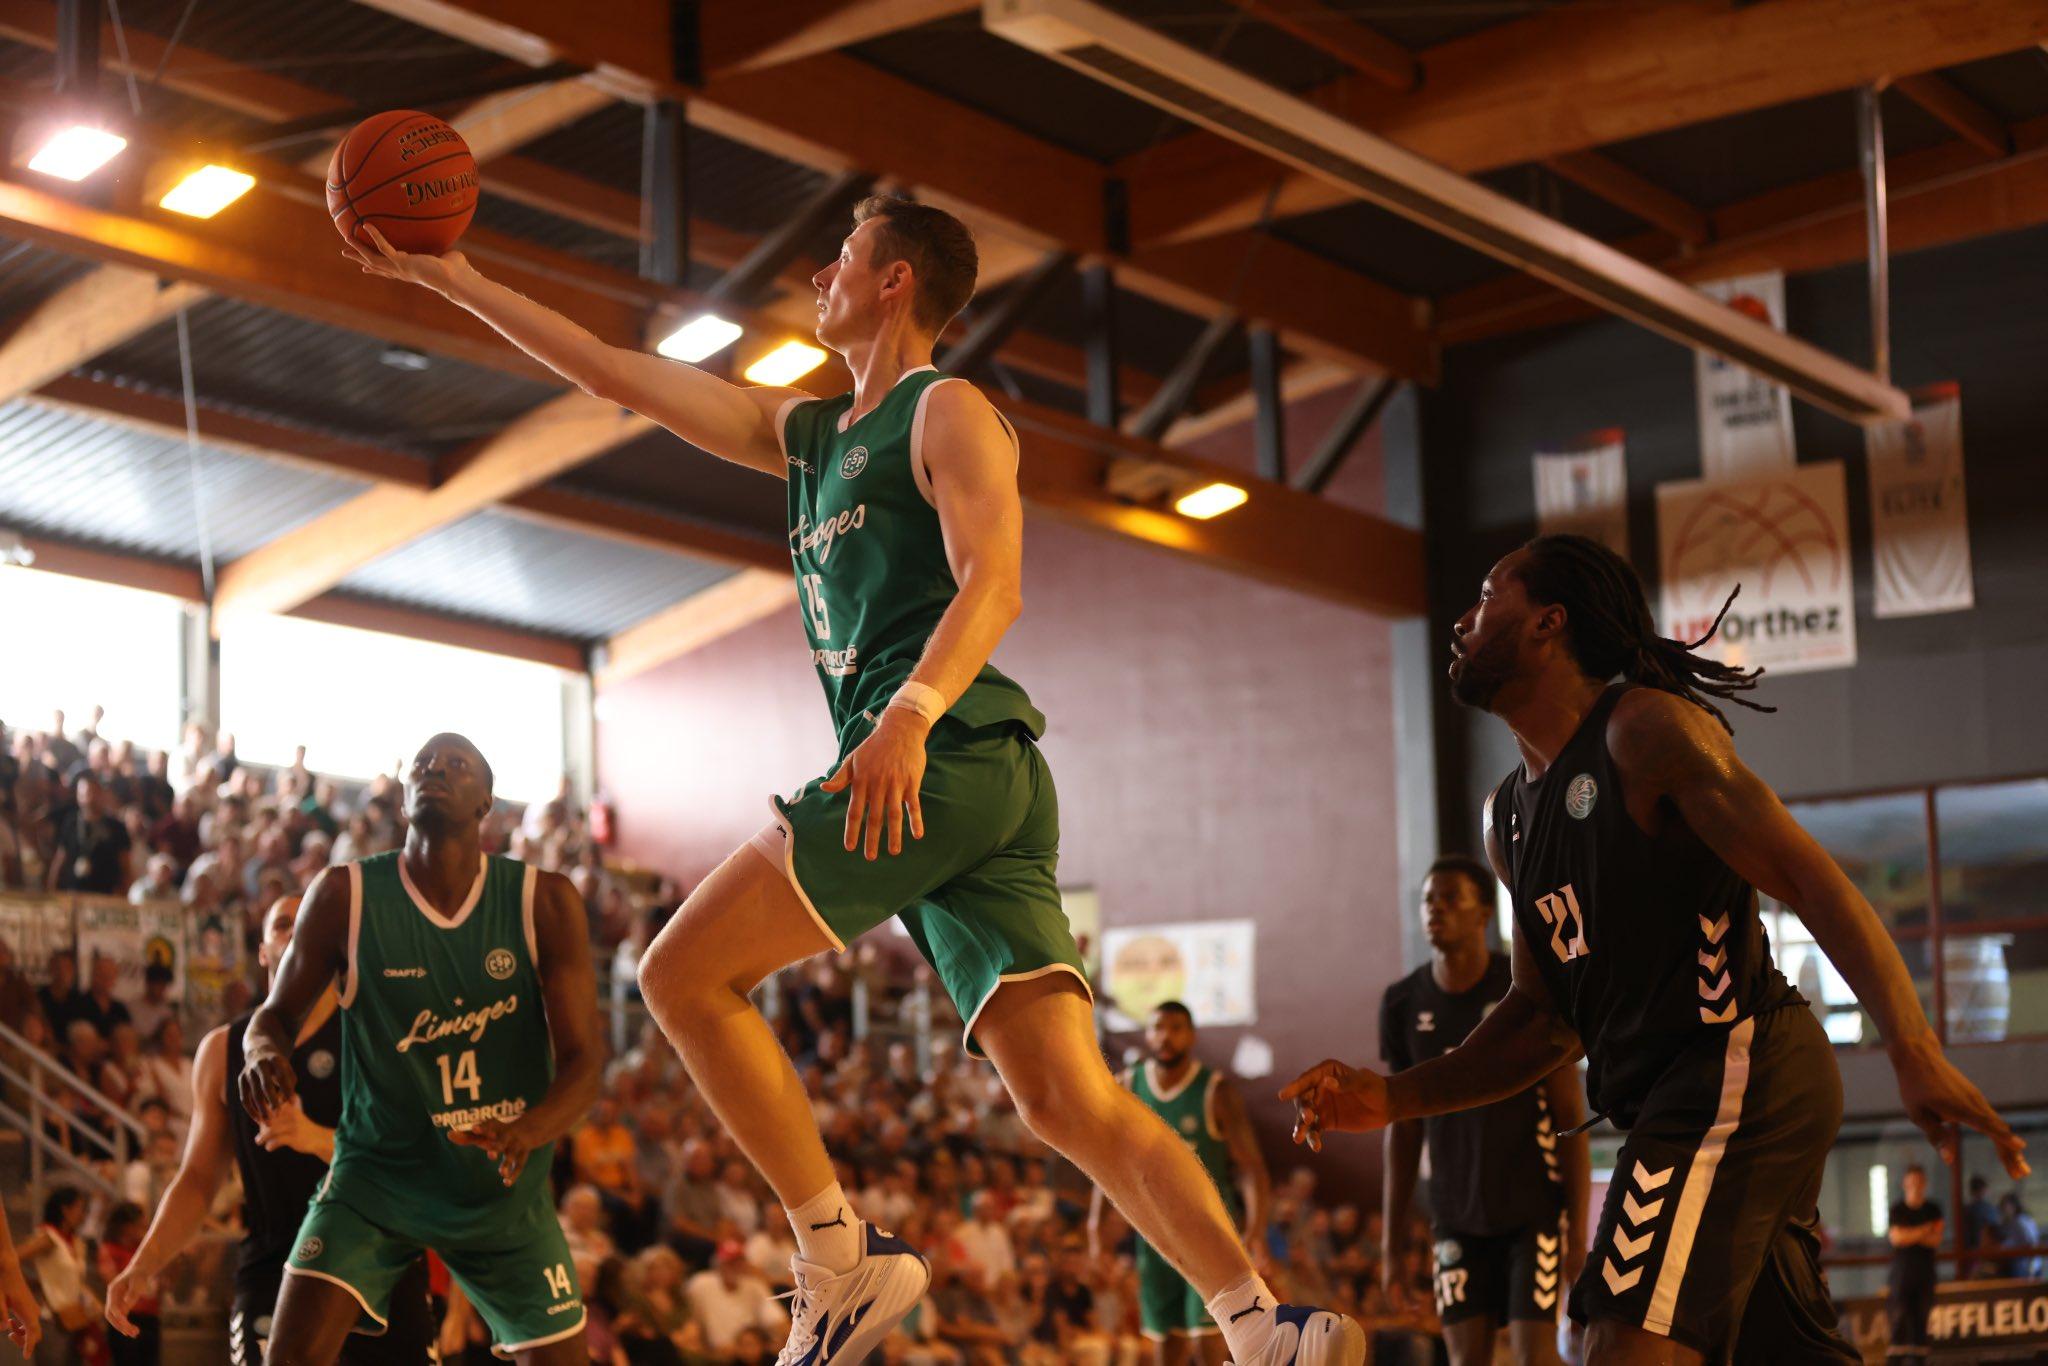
[[1624, 1344], [1210, 1349], [1532, 1342], [1171, 1350], [1040, 1034], [312, 1323], [1470, 1342], [740, 924]]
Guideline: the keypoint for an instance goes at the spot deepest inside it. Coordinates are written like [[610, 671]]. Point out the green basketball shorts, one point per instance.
[[1167, 1304], [979, 893], [521, 1280]]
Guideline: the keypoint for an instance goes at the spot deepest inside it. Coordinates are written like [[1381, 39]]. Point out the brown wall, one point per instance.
[[1223, 750]]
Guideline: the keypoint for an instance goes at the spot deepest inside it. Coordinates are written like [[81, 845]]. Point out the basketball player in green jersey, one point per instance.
[[469, 1045], [1198, 1103], [907, 538]]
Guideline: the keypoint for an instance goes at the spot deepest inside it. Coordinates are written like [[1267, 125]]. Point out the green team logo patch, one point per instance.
[[1580, 796], [854, 462], [499, 963], [310, 1249]]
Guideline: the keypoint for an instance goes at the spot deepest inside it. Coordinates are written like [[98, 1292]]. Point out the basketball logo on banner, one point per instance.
[[1785, 540]]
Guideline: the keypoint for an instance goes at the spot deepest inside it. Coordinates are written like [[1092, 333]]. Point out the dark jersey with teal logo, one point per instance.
[[870, 557], [442, 1026]]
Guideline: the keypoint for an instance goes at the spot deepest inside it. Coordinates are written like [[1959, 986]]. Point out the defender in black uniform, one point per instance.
[[282, 1164], [1633, 839], [1507, 1189]]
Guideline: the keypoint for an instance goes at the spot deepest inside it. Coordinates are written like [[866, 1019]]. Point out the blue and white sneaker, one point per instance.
[[842, 1317], [1306, 1336]]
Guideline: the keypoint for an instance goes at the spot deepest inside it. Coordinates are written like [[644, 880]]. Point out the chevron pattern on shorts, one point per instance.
[[1717, 1000], [1547, 1255], [1546, 1138], [1635, 1231]]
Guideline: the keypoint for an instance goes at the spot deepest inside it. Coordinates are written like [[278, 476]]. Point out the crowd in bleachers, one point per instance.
[[680, 1248]]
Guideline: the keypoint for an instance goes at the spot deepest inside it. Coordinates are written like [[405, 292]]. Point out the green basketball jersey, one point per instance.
[[442, 1026], [1189, 1110], [872, 575]]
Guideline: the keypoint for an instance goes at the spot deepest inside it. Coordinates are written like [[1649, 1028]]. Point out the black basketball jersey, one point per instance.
[[277, 1186], [1494, 1169], [1644, 943]]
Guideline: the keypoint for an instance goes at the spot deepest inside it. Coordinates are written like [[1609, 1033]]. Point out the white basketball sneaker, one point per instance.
[[842, 1317], [1306, 1336]]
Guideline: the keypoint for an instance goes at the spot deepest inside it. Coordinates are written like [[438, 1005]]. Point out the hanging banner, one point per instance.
[[1585, 491], [1920, 530], [135, 936], [1206, 965], [1785, 540], [1745, 420], [35, 927]]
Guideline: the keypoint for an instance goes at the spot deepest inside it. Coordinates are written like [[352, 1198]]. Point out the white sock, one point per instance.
[[1245, 1314], [826, 1230]]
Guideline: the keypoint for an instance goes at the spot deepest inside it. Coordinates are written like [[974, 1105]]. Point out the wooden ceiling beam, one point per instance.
[[1369, 53], [92, 314], [1938, 195], [1041, 194], [711, 614], [1623, 188], [1579, 76], [742, 37], [1966, 117]]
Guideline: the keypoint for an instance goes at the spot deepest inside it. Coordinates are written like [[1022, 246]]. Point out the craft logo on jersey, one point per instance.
[[500, 963], [1580, 796], [1560, 911], [320, 1065], [1425, 1022], [853, 462]]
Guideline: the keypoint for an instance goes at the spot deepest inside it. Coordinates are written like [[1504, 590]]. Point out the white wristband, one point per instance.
[[921, 698]]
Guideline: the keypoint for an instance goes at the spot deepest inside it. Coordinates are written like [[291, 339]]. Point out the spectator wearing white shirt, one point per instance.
[[57, 1253], [985, 1238], [738, 1203], [731, 1298]]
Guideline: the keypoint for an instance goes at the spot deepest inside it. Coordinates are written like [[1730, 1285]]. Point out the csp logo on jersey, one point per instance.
[[1187, 1124], [499, 963], [854, 462], [1580, 796], [1448, 1252], [310, 1249], [320, 1065]]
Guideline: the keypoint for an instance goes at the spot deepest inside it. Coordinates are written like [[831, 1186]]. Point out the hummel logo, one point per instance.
[[1255, 1309], [839, 1222]]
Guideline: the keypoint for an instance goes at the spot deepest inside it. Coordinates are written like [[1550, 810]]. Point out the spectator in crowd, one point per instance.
[[985, 1239], [582, 1215], [154, 1006], [654, 1324], [739, 1203], [101, 1005], [159, 880], [176, 833], [59, 997], [124, 1229], [91, 852], [167, 1070], [692, 1203], [1980, 1229], [58, 750], [17, 997], [1915, 1235], [56, 1251], [2017, 1229], [731, 1298], [604, 1157]]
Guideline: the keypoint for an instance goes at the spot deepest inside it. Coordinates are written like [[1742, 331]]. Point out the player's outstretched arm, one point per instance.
[[731, 421], [1667, 748], [209, 1151], [1248, 1160], [568, 988], [973, 467], [317, 954], [24, 1317]]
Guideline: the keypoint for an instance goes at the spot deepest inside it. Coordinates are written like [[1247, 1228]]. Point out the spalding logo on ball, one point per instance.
[[410, 175]]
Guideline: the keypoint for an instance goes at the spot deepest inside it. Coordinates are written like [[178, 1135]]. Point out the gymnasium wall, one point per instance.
[[1223, 750], [1951, 696]]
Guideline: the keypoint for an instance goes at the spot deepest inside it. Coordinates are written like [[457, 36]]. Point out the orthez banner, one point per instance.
[[1785, 540], [1920, 530], [1745, 420], [1205, 964], [1585, 490]]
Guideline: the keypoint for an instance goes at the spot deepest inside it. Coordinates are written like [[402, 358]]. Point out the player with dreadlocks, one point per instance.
[[1633, 842]]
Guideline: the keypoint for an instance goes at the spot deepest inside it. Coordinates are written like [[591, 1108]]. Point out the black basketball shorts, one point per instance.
[[1709, 1231], [411, 1340], [1500, 1276]]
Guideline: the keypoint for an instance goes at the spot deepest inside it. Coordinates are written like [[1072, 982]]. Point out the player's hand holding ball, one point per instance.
[[508, 1144], [402, 188], [1331, 1095]]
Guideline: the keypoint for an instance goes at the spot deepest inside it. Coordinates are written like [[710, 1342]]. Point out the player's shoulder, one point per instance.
[[1403, 989]]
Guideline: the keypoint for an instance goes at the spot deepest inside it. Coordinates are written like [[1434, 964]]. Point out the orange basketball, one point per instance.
[[408, 173]]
